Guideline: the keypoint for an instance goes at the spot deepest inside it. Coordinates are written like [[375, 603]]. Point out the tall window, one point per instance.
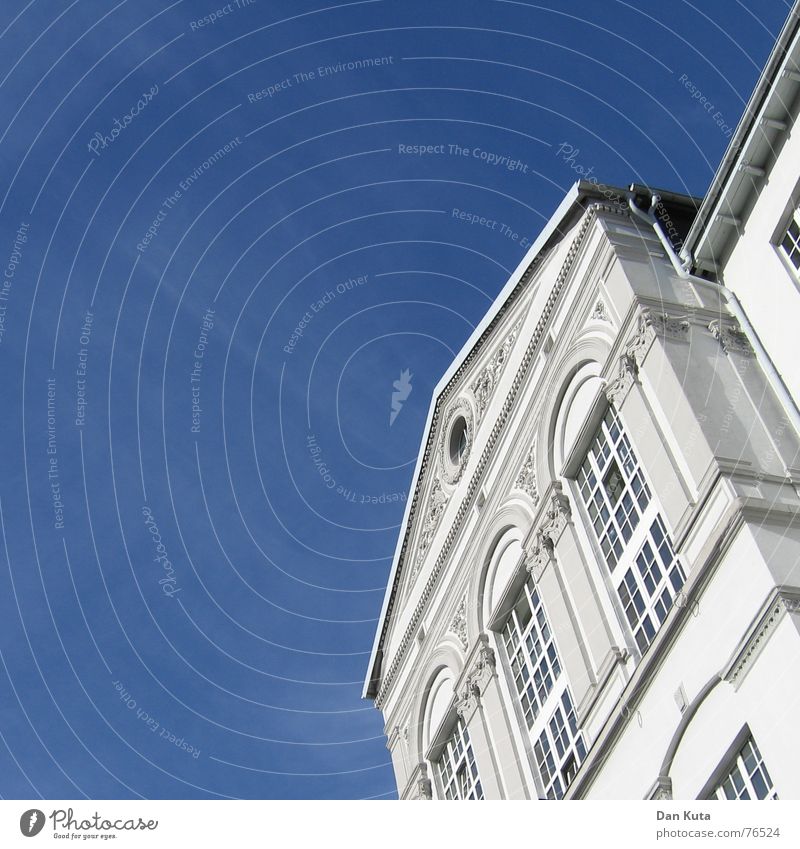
[[458, 771], [560, 749], [790, 244], [747, 777], [543, 694], [632, 535]]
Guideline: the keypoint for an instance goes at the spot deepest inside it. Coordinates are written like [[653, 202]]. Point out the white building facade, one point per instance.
[[596, 592]]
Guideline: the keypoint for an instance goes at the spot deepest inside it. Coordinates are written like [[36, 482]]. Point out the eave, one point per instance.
[[758, 138]]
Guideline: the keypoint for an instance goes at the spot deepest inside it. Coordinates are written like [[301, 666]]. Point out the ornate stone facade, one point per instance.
[[450, 470], [600, 312], [526, 479], [437, 501], [731, 337], [483, 669], [617, 389], [459, 624], [484, 385], [665, 461], [650, 325], [552, 525]]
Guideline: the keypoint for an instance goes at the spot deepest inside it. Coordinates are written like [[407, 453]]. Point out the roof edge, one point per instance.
[[744, 130]]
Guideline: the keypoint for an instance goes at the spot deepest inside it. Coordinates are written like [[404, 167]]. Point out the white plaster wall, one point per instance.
[[767, 290], [704, 648]]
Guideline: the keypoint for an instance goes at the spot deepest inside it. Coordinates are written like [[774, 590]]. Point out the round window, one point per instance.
[[456, 440], [459, 441]]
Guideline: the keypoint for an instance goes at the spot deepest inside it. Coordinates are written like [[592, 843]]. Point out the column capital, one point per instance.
[[551, 526], [479, 671]]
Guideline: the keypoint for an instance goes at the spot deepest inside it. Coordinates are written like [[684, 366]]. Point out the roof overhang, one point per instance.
[[758, 138]]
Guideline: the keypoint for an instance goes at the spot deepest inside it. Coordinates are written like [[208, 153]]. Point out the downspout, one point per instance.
[[682, 270]]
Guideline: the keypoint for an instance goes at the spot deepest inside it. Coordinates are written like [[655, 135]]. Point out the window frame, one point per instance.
[[464, 763], [628, 568], [791, 212], [553, 703], [731, 759], [790, 219]]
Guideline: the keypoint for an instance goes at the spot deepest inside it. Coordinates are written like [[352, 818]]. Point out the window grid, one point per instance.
[[457, 768], [542, 690], [632, 535], [748, 777], [613, 488], [648, 589], [791, 242], [531, 652], [560, 749]]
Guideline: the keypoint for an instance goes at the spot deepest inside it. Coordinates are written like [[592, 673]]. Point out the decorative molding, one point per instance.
[[483, 387], [526, 479], [437, 501], [467, 703], [780, 604], [450, 471], [553, 523], [672, 327], [600, 313], [731, 337], [484, 668], [459, 624], [649, 326], [386, 678], [424, 786], [644, 336], [618, 389], [558, 514]]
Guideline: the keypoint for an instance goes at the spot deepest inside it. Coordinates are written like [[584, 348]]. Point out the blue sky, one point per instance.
[[221, 259]]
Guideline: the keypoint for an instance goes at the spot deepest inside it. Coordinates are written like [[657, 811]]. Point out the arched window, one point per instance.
[[457, 770], [632, 535], [447, 741], [544, 696], [439, 700], [580, 397], [503, 564]]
